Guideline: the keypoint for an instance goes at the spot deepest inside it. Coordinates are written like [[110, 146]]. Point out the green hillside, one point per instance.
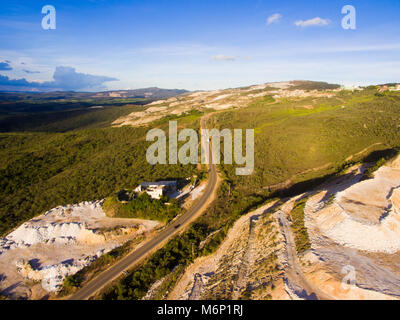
[[62, 121], [301, 139], [42, 170]]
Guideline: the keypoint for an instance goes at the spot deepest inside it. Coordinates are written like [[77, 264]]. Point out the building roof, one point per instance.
[[158, 183]]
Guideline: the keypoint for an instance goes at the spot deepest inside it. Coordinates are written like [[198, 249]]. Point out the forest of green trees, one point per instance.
[[40, 171], [142, 207]]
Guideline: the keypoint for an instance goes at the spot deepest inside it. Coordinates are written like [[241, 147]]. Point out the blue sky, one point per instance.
[[202, 44]]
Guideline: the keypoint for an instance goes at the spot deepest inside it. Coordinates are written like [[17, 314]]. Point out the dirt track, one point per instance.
[[295, 277]]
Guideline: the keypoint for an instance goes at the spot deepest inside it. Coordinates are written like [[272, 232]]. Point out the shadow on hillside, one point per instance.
[[336, 181]]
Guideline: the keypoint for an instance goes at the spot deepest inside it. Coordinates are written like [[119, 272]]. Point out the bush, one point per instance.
[[301, 238], [142, 207]]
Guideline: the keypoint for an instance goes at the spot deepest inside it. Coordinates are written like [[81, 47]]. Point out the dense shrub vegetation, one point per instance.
[[63, 121], [41, 170], [301, 239], [142, 207], [297, 141], [313, 85], [378, 159]]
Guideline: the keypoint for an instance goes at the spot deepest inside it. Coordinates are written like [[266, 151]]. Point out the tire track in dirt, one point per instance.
[[244, 268], [294, 275]]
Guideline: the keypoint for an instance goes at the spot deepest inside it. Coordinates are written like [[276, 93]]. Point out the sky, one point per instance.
[[195, 44]]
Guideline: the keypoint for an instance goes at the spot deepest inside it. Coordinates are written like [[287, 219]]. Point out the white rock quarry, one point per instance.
[[62, 241], [43, 229], [379, 237], [365, 216], [52, 276]]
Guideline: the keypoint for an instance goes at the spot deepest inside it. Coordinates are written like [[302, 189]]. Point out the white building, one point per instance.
[[157, 189], [155, 192]]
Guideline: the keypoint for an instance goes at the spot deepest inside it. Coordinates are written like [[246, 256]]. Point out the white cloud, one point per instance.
[[64, 78], [222, 57], [5, 66], [275, 18], [317, 21]]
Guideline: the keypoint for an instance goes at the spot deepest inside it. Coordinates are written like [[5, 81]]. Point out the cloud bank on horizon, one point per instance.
[[64, 79], [5, 66]]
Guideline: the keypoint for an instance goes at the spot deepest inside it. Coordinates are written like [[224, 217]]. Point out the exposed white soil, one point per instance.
[[198, 191], [153, 289], [280, 85], [38, 255], [217, 106], [366, 215], [216, 100], [222, 96], [359, 229]]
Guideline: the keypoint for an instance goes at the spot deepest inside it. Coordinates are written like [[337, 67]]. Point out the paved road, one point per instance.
[[128, 261]]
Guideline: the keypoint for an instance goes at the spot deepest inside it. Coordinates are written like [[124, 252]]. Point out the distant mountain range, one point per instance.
[[152, 93]]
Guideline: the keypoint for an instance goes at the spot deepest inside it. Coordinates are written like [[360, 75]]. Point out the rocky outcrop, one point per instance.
[[364, 216], [51, 277], [62, 241]]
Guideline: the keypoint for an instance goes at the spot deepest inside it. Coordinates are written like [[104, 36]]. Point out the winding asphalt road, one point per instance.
[[153, 244]]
